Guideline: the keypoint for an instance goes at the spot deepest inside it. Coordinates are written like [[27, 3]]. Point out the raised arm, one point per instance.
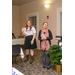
[[23, 29]]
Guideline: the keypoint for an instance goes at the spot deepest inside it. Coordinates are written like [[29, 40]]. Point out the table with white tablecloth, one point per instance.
[[17, 50], [18, 41]]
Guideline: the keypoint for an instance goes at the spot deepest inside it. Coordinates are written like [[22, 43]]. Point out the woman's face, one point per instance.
[[29, 23], [45, 25]]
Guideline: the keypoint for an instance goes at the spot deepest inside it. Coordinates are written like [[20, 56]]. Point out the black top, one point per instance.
[[49, 38]]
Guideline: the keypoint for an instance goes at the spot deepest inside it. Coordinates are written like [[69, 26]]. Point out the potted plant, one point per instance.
[[55, 53], [13, 36]]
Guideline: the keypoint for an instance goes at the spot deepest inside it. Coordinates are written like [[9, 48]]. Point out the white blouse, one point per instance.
[[30, 32]]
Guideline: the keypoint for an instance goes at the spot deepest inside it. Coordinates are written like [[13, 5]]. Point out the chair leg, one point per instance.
[[15, 59], [12, 60]]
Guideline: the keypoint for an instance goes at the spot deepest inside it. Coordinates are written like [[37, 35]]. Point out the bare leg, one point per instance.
[[27, 55], [27, 51], [31, 52], [32, 55]]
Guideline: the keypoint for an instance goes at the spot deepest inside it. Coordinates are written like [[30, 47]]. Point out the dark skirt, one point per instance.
[[27, 43]]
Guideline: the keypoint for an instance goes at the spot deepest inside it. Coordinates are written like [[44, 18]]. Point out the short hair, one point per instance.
[[44, 23]]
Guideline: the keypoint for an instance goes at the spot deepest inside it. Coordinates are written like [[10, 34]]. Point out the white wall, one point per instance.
[[15, 20]]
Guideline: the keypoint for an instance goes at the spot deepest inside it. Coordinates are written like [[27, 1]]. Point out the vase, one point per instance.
[[58, 68]]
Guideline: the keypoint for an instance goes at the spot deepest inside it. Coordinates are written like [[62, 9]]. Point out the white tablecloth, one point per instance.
[[18, 41], [21, 42]]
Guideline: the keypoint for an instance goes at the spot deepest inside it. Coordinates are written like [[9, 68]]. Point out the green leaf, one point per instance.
[[55, 54]]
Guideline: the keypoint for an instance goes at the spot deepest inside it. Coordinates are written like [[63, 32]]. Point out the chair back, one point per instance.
[[15, 50]]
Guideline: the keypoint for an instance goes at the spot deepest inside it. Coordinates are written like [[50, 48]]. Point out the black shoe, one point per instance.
[[43, 66], [48, 68]]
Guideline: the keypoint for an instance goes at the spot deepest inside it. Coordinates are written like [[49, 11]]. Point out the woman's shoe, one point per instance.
[[31, 60], [27, 57], [48, 68], [44, 67]]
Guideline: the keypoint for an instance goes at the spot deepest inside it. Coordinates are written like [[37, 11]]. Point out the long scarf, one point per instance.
[[45, 43]]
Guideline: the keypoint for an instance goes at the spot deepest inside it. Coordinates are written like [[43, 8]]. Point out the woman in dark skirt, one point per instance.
[[30, 41]]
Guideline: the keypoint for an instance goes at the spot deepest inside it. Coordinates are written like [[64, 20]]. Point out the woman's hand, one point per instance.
[[32, 42], [43, 38], [23, 28]]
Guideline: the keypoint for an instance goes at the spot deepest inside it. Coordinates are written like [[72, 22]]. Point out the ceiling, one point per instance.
[[20, 2]]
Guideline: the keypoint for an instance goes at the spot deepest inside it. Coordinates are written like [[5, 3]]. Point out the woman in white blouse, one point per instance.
[[30, 41]]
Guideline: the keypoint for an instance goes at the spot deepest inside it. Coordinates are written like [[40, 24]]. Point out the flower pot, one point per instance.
[[58, 68]]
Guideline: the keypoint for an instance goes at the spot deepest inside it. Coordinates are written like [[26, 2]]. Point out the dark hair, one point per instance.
[[27, 25]]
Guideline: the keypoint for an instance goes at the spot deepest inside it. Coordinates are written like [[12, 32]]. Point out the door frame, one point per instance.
[[59, 10]]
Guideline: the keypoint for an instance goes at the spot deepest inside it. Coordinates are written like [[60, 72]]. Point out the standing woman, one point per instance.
[[30, 42], [45, 36]]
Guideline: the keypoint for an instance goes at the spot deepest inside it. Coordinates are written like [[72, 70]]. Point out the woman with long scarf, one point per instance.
[[45, 36]]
